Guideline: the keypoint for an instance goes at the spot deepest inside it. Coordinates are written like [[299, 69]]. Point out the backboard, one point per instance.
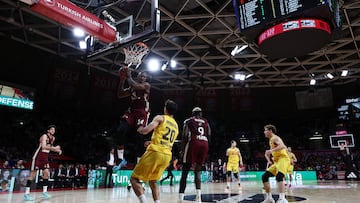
[[337, 141], [134, 18], [134, 21]]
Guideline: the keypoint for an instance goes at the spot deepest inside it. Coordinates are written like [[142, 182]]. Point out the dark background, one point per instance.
[[83, 111]]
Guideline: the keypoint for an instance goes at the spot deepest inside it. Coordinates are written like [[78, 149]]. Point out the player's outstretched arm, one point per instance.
[[123, 92], [154, 123]]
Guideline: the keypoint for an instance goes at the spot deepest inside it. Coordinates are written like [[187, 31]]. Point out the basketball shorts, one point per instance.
[[151, 166], [136, 117], [280, 165], [197, 152], [290, 169], [41, 161], [233, 167]]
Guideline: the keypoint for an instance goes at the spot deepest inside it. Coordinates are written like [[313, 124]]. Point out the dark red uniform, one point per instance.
[[198, 131], [138, 113], [40, 159]]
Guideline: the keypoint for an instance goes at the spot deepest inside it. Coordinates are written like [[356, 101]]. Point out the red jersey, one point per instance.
[[40, 159], [198, 128], [197, 146], [139, 99]]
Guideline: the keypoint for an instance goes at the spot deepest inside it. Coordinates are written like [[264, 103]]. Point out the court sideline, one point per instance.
[[308, 192]]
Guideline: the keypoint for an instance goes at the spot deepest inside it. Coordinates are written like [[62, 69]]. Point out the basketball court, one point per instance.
[[344, 191], [314, 192]]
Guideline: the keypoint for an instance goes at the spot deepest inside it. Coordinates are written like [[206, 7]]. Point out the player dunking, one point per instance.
[[138, 113], [40, 160], [194, 149]]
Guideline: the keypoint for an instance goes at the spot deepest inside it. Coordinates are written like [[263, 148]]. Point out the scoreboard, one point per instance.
[[255, 17], [254, 12]]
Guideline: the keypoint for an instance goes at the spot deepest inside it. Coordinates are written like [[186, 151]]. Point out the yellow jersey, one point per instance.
[[292, 157], [277, 154], [164, 136], [233, 155]]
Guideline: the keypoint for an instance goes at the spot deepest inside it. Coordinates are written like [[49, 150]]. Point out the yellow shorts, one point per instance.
[[151, 166], [280, 165], [233, 167], [290, 169]]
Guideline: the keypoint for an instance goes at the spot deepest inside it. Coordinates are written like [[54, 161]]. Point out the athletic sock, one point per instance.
[[142, 198], [198, 192], [45, 185], [181, 196], [27, 190]]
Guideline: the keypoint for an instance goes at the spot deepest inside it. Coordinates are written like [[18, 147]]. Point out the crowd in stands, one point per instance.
[[84, 140]]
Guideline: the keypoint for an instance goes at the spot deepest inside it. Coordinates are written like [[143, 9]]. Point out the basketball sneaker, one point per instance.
[[239, 186], [268, 200], [45, 195], [28, 197], [282, 201]]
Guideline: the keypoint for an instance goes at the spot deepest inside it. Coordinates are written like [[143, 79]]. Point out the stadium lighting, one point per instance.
[[312, 82], [163, 67], [78, 32], [329, 75], [237, 49], [239, 76], [172, 63], [344, 73], [153, 65], [82, 45], [316, 138], [244, 140], [249, 75]]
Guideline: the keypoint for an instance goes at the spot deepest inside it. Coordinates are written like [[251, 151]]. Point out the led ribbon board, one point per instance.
[[15, 97]]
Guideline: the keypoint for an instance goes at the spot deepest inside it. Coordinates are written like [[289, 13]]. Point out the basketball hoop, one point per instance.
[[342, 146], [135, 53]]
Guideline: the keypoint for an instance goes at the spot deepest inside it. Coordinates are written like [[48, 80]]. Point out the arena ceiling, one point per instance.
[[199, 35]]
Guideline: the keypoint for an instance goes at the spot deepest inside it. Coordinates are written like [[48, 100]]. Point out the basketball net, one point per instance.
[[135, 53]]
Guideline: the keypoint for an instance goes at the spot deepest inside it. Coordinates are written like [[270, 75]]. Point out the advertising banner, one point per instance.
[[69, 14], [122, 177]]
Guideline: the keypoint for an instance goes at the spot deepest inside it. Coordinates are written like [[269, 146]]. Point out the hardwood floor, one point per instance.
[[308, 192]]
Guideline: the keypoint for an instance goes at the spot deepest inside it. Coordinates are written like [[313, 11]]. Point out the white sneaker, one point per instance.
[[45, 195], [268, 200], [239, 186], [198, 199], [282, 201], [28, 197]]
